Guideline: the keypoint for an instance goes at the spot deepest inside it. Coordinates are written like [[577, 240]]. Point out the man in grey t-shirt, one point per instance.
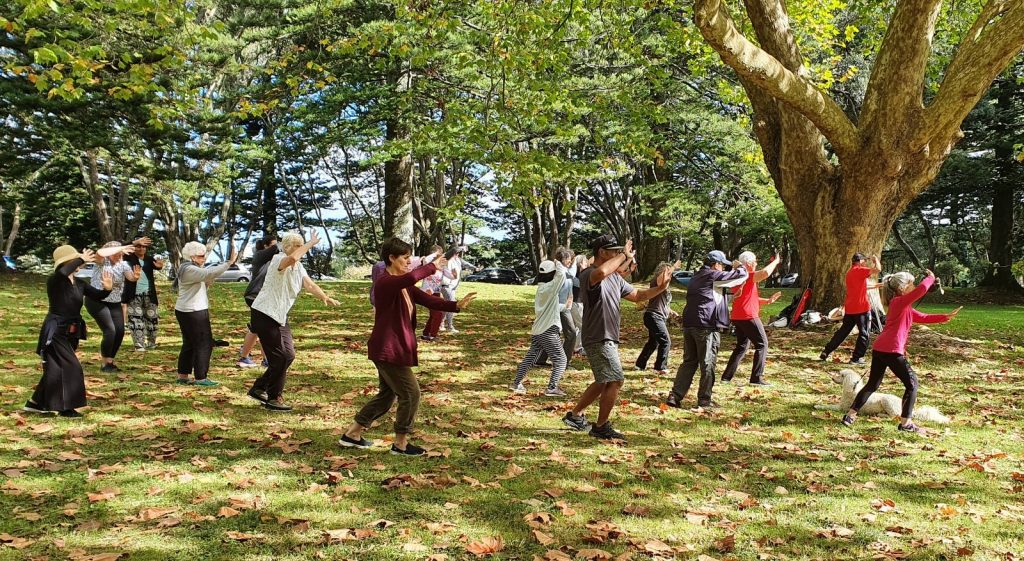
[[601, 290]]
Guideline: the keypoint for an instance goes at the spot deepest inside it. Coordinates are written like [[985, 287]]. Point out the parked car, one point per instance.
[[789, 280], [682, 277], [495, 276], [235, 273]]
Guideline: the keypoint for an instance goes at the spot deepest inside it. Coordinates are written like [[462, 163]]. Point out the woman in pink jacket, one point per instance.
[[899, 292]]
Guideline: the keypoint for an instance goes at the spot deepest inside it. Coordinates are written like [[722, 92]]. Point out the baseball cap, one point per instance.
[[547, 266], [858, 257], [716, 257], [606, 241]]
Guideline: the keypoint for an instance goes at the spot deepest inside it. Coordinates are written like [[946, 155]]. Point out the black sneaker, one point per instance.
[[606, 432], [823, 356], [848, 420], [221, 343], [71, 414], [575, 422], [673, 401], [726, 381], [109, 368], [911, 427], [709, 405], [276, 405], [858, 362], [761, 383], [353, 443], [410, 450], [31, 407], [258, 395]]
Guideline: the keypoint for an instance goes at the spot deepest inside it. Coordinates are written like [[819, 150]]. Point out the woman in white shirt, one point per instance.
[[285, 277], [192, 310], [546, 332]]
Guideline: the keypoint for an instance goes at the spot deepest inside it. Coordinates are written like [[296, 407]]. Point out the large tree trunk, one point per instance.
[[398, 217], [1000, 254], [89, 167], [15, 226]]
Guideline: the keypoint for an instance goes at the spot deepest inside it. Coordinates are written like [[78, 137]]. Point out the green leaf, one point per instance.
[[43, 55]]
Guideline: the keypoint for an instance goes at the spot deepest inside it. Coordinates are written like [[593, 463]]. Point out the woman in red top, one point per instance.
[[392, 345], [746, 317], [899, 293], [857, 310]]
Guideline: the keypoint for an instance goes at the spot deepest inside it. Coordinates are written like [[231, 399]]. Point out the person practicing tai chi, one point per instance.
[[746, 318], [704, 317], [564, 264], [601, 290], [546, 333], [266, 249], [899, 292], [285, 278], [61, 390], [108, 312], [192, 310], [432, 285], [141, 299], [656, 317], [858, 309], [392, 345]]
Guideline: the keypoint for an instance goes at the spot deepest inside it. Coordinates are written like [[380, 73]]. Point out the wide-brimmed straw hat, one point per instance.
[[63, 254]]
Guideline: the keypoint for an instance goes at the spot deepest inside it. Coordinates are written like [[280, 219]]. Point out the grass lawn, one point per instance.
[[157, 471]]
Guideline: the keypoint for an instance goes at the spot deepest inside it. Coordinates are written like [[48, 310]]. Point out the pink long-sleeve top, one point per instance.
[[902, 316], [393, 339]]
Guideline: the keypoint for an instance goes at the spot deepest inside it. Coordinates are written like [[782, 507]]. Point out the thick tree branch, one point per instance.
[[767, 72], [994, 40], [895, 89]]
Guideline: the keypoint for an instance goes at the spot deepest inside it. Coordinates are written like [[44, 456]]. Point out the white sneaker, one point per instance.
[[554, 392], [452, 330], [517, 388]]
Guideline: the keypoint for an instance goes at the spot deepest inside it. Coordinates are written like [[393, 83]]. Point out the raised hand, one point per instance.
[[628, 249], [313, 239], [127, 249], [440, 262], [676, 265], [107, 279], [775, 297], [666, 276], [928, 273], [88, 255], [462, 304], [137, 271], [144, 240]]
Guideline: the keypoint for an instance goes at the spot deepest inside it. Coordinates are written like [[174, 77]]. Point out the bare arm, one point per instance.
[[876, 266], [768, 270], [610, 266], [651, 292], [294, 257], [315, 290]]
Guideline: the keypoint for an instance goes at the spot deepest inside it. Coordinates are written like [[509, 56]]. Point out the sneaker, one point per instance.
[[109, 368], [206, 382], [542, 365], [673, 401], [911, 427], [151, 346], [709, 405], [184, 381], [427, 338], [410, 450], [453, 331], [848, 420], [661, 372], [31, 407], [760, 383], [71, 414], [258, 395], [606, 432], [823, 356], [221, 343], [858, 362], [554, 392], [140, 349], [576, 422], [277, 405], [517, 388], [639, 368], [246, 362], [725, 381], [353, 443]]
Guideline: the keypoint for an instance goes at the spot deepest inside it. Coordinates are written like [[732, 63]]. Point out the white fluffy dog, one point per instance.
[[879, 403]]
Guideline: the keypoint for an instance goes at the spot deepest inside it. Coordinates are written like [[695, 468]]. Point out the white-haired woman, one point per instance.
[[108, 312], [285, 277], [746, 318], [62, 388], [192, 311], [899, 292]]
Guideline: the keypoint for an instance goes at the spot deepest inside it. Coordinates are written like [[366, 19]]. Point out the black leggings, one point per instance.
[[863, 324], [196, 343], [279, 349], [110, 318], [748, 331], [657, 340], [901, 368]]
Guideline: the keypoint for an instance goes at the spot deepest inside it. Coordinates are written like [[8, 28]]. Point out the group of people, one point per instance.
[[577, 309]]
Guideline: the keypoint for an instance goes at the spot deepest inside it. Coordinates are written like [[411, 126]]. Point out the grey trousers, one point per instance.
[[448, 293], [700, 350]]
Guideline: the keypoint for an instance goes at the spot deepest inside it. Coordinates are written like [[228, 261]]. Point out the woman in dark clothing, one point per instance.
[[143, 310], [62, 387], [107, 311], [392, 345]]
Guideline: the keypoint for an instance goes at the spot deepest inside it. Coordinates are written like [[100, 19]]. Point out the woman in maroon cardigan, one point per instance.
[[392, 345]]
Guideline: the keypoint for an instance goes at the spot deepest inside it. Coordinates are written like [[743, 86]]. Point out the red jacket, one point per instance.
[[393, 339]]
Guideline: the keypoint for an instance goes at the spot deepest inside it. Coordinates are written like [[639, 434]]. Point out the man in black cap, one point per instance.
[[705, 316], [857, 309], [601, 290]]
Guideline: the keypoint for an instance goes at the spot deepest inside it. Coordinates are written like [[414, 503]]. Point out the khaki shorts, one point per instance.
[[604, 362]]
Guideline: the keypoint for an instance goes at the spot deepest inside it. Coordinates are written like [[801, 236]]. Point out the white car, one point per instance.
[[236, 273]]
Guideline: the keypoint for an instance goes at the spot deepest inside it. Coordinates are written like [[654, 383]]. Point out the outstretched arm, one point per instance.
[[315, 290], [296, 255], [651, 292], [768, 270], [920, 317]]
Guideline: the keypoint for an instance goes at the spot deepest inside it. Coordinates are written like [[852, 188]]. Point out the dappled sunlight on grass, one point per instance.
[[161, 471]]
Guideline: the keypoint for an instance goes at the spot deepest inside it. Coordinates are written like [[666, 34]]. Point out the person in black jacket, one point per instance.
[[143, 310], [266, 249], [62, 388]]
